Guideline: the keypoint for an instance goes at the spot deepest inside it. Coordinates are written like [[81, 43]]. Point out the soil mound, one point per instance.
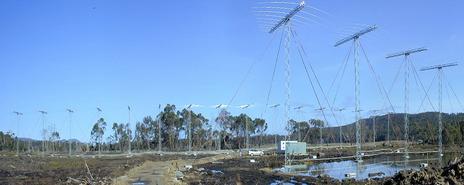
[[451, 174]]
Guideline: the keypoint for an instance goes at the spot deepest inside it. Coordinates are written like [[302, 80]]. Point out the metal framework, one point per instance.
[[43, 130], [439, 69], [321, 141], [159, 131], [247, 141], [99, 111], [275, 106], [388, 126], [130, 132], [298, 109], [70, 112], [356, 35], [340, 110], [374, 112], [189, 122], [355, 38], [288, 17], [406, 91], [18, 117], [220, 106], [284, 22], [406, 53]]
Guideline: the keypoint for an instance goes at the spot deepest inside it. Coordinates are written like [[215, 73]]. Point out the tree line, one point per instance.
[[171, 126], [423, 127]]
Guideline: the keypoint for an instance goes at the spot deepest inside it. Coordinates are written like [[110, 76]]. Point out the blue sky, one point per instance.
[[111, 54]]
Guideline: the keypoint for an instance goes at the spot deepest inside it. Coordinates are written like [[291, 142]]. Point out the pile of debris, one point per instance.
[[85, 180], [451, 174]]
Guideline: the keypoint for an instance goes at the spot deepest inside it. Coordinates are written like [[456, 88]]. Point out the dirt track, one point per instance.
[[163, 172]]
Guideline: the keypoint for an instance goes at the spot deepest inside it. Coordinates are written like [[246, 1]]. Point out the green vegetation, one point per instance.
[[423, 127], [231, 132]]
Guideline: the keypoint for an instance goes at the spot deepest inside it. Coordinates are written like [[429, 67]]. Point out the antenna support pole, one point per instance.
[[357, 101], [440, 105]]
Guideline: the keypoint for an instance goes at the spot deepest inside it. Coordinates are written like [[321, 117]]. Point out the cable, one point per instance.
[[454, 92], [430, 86], [312, 85], [449, 98], [377, 79], [273, 74], [250, 69], [396, 77], [343, 74], [342, 66], [315, 76], [416, 77]]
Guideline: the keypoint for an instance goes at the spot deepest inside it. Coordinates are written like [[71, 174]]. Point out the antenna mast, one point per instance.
[[18, 117], [355, 38], [439, 69], [70, 124], [189, 122], [285, 23], [43, 130], [406, 91], [99, 111]]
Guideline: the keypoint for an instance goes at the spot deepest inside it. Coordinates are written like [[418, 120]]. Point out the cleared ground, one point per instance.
[[76, 170], [216, 167]]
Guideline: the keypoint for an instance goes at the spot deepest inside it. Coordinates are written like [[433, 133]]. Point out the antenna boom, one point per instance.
[[440, 66], [356, 35], [287, 18], [407, 52]]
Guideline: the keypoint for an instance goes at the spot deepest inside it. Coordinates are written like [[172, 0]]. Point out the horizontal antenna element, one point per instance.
[[274, 106], [407, 52], [287, 18], [439, 66], [356, 35]]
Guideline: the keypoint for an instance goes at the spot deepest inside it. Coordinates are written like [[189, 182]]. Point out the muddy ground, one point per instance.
[[453, 173], [64, 170], [242, 171], [228, 169]]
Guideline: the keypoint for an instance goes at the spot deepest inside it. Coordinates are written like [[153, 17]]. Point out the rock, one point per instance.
[[188, 167], [179, 175]]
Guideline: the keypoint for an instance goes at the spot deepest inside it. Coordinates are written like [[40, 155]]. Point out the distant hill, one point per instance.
[[422, 126], [36, 140]]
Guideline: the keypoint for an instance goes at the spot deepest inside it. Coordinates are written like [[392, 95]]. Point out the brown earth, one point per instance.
[[207, 169], [242, 171], [453, 173], [164, 172], [63, 170]]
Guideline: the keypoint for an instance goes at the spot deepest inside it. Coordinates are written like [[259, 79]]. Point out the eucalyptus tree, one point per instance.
[[261, 127], [171, 127], [225, 121], [98, 130], [198, 127], [145, 132]]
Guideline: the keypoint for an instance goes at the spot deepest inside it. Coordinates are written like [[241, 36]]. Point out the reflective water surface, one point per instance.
[[379, 166]]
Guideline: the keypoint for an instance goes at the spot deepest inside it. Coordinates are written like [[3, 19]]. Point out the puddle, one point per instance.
[[292, 182], [380, 166], [217, 172], [139, 182]]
